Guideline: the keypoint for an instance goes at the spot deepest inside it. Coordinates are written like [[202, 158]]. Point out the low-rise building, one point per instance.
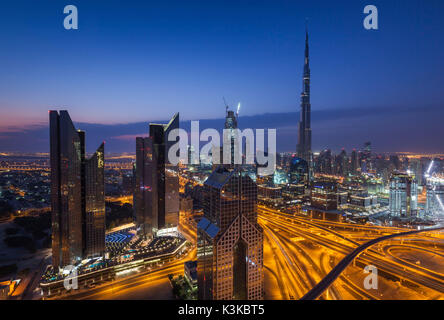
[[190, 272]]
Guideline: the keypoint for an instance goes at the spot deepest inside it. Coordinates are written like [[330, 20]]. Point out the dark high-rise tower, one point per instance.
[[94, 195], [304, 139], [156, 196], [66, 150], [229, 140], [354, 162], [77, 194], [145, 187], [232, 136]]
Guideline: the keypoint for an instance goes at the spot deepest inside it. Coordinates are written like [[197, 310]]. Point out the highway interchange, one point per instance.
[[300, 252]]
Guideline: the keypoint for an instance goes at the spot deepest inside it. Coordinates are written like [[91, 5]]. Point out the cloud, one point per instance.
[[21, 128], [389, 129], [129, 137]]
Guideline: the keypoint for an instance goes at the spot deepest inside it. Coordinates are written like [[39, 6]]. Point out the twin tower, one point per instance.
[[78, 189], [77, 194]]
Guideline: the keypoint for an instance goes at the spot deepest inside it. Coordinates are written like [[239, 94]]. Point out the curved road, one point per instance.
[[328, 280]]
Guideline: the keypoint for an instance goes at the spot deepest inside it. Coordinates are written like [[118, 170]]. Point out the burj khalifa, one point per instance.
[[304, 139]]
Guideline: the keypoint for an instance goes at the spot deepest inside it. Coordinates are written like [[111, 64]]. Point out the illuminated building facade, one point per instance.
[[77, 194], [299, 171], [262, 178], [325, 200], [435, 196], [269, 194], [416, 166], [157, 181], [403, 200], [324, 195], [229, 239], [363, 201]]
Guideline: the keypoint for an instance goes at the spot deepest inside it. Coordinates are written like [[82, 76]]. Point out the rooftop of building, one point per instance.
[[192, 264], [340, 212], [209, 228], [325, 185]]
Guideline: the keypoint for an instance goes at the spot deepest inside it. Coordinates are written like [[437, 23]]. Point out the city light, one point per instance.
[[329, 186]]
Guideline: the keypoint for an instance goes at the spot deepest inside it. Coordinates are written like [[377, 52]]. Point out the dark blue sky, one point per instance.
[[139, 61]]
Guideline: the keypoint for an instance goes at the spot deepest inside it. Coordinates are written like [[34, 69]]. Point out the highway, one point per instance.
[[307, 258], [328, 243], [142, 285], [328, 280], [149, 284]]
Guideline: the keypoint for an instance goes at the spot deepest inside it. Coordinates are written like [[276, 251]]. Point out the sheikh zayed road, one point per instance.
[[299, 252]]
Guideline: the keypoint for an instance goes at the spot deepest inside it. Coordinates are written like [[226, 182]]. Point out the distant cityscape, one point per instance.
[[136, 226]]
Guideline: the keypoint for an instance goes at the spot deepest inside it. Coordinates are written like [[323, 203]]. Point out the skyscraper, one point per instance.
[[66, 193], [230, 139], [403, 201], [325, 162], [77, 194], [366, 156], [354, 162], [341, 164], [143, 206], [435, 196], [229, 239], [157, 182], [94, 195], [304, 139]]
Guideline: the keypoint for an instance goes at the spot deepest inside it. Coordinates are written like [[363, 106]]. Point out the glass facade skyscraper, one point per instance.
[[231, 138], [143, 206], [94, 219], [229, 239], [435, 196], [298, 171], [156, 196], [403, 201], [66, 189], [77, 192]]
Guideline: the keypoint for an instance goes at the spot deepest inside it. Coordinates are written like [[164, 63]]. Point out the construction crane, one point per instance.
[[226, 107], [429, 169]]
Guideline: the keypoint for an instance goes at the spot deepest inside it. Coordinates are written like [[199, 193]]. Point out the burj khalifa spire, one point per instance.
[[304, 139]]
